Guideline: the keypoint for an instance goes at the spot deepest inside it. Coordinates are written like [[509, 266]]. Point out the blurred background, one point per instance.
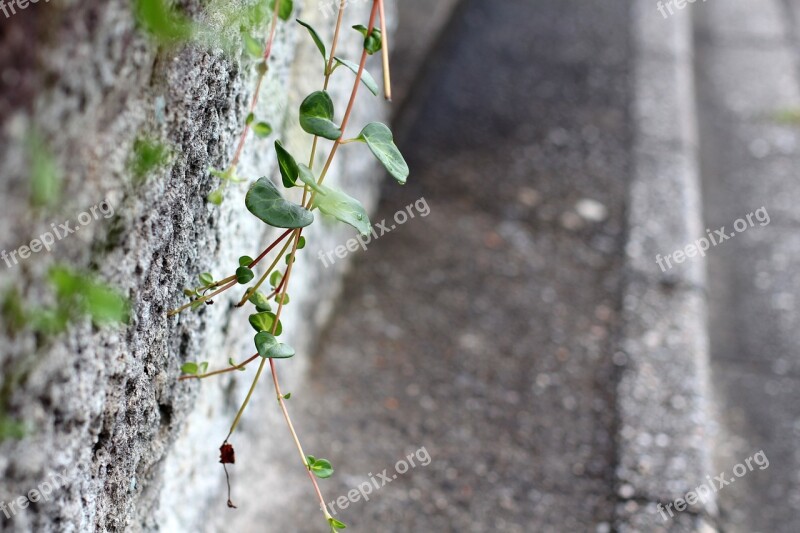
[[581, 313]]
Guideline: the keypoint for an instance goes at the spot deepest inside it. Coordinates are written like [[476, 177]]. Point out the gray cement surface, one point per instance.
[[750, 160]]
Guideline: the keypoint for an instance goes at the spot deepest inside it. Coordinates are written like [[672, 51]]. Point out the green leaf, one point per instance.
[[261, 302], [316, 116], [301, 243], [104, 304], [264, 321], [65, 282], [373, 42], [262, 130], [321, 468], [45, 176], [317, 40], [287, 396], [265, 201], [206, 279], [287, 165], [148, 156], [344, 208], [265, 341], [245, 261], [380, 141], [307, 177], [336, 524], [216, 197], [11, 429], [269, 347], [280, 351], [79, 292], [202, 368], [275, 278], [163, 22], [250, 118], [366, 77], [244, 275], [190, 369], [282, 298], [252, 46], [284, 10]]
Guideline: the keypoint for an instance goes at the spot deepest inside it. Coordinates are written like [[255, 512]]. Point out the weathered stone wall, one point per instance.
[[138, 450]]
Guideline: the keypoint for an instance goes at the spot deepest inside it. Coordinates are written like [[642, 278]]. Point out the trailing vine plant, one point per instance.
[[265, 201]]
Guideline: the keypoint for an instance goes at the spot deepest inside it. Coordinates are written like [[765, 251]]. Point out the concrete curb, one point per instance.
[[663, 439]]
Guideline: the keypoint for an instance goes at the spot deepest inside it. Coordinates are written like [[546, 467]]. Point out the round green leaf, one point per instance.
[[264, 321], [380, 141], [280, 351], [275, 278], [316, 116], [259, 299], [245, 261], [322, 468], [265, 201], [244, 275], [190, 369], [265, 341], [373, 42], [284, 10], [262, 130], [206, 279], [215, 197]]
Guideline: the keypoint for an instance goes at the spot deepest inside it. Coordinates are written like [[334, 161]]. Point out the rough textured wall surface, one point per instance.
[[128, 446]]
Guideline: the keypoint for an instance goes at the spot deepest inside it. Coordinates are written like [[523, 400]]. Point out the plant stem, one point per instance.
[[259, 83], [223, 371], [350, 104], [284, 285], [274, 329], [387, 77], [202, 299], [328, 72], [263, 278], [269, 249], [230, 279]]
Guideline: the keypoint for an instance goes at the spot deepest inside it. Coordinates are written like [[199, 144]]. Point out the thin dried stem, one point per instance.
[[387, 77]]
